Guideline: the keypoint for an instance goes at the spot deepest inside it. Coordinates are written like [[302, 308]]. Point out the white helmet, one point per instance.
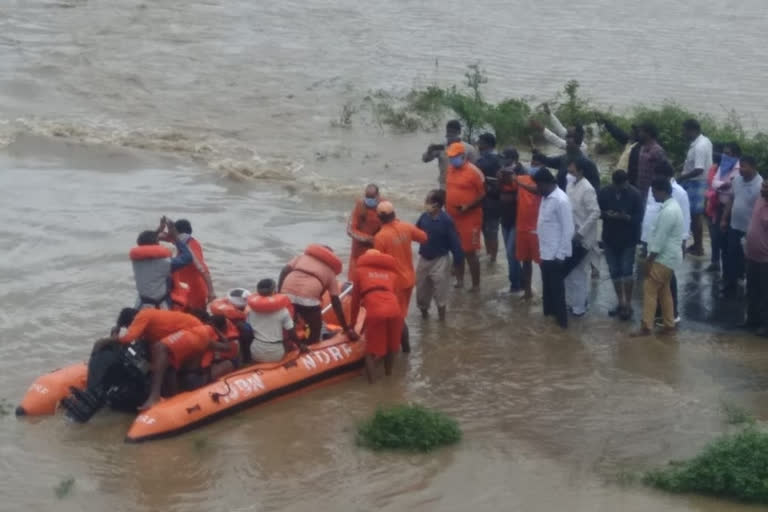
[[238, 297]]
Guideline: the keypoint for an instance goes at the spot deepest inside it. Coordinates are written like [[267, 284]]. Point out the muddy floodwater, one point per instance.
[[115, 113]]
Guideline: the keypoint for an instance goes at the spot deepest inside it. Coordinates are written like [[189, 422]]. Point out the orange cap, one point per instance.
[[455, 149], [373, 251], [385, 207]]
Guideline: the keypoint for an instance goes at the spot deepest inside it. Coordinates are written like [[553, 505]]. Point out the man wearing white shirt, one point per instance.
[[586, 213], [652, 209], [694, 180], [555, 229]]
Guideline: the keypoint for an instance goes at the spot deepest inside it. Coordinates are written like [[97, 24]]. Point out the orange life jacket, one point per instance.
[[376, 278], [149, 252], [192, 274], [376, 271], [222, 306], [261, 304], [177, 291], [325, 255]]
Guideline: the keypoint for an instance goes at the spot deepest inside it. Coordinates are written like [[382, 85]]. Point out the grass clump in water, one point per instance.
[[737, 415], [64, 488], [5, 407], [732, 466], [408, 427]]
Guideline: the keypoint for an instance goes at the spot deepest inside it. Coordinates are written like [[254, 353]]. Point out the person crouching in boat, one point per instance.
[[195, 274], [234, 307], [150, 325], [153, 265], [269, 316], [305, 280], [183, 350], [374, 282]]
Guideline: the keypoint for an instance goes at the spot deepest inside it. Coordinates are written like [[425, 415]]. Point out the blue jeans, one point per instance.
[[621, 262], [515, 271]]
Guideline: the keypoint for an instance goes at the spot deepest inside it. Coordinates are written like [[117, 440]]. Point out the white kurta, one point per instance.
[[586, 213]]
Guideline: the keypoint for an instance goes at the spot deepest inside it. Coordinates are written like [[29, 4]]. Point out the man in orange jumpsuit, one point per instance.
[[182, 349], [395, 238], [363, 225], [465, 190], [374, 282]]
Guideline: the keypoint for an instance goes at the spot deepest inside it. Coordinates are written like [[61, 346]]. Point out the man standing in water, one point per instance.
[[395, 238], [746, 189], [433, 272], [622, 211], [437, 151], [555, 229], [363, 224], [464, 193], [756, 251], [664, 255], [586, 214], [489, 164], [694, 179]]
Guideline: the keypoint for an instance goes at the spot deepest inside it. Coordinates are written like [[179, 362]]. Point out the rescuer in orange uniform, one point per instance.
[[464, 191], [395, 238], [363, 224], [374, 283]]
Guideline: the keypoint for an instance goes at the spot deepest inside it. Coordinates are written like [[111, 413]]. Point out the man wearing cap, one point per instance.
[[437, 151], [555, 228], [395, 238], [464, 194]]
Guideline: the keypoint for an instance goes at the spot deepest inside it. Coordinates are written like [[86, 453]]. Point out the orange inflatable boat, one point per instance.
[[326, 362]]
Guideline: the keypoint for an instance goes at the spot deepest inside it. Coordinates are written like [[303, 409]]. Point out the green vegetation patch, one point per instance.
[[737, 415], [426, 108], [408, 427], [732, 466], [64, 488]]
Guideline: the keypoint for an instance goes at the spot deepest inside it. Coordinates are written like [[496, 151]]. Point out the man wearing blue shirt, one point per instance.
[[433, 272]]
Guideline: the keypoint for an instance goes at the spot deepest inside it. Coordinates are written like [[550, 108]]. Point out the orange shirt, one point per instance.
[[363, 223], [527, 206], [463, 186], [395, 239], [155, 324]]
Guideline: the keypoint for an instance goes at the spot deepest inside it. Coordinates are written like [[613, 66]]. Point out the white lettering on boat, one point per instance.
[[325, 356], [147, 420], [322, 356], [40, 388], [335, 353], [243, 387]]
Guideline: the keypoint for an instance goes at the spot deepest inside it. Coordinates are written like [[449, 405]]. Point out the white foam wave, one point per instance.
[[228, 157]]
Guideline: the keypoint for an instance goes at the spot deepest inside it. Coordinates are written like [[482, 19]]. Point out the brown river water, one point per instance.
[[115, 113]]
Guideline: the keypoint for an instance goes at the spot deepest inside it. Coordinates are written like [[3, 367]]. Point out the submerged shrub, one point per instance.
[[409, 428], [426, 109], [736, 415], [732, 466]]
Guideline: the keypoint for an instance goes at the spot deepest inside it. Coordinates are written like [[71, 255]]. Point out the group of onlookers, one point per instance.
[[550, 212]]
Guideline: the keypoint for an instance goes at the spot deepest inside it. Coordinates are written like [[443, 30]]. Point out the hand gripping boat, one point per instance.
[[326, 362]]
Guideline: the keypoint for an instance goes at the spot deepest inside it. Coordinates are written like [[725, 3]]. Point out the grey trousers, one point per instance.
[[433, 281]]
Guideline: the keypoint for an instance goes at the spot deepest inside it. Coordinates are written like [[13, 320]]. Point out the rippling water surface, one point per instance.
[[115, 113]]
